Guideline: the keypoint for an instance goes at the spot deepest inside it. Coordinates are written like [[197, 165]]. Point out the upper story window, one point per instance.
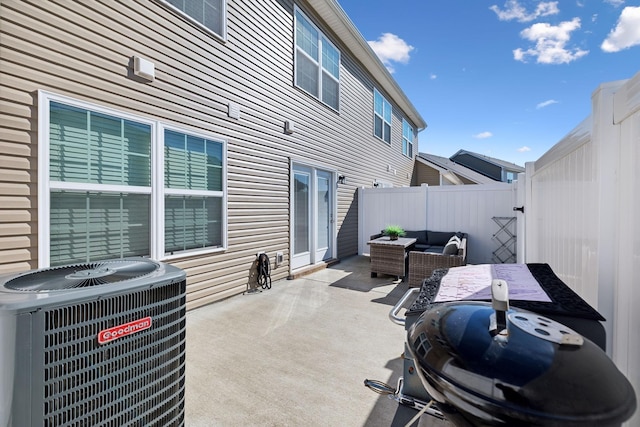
[[115, 185], [317, 62], [382, 117], [510, 177], [208, 13], [407, 139]]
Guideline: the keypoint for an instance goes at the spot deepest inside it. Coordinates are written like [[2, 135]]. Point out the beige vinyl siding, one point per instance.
[[427, 174], [83, 50], [466, 180]]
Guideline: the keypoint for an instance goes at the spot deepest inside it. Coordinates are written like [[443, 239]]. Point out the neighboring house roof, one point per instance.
[[501, 163], [445, 165], [336, 18]]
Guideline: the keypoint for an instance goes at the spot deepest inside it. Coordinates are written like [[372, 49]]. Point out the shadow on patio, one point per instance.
[[298, 354]]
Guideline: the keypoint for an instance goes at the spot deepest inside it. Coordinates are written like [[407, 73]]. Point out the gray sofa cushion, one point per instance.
[[419, 235], [434, 249]]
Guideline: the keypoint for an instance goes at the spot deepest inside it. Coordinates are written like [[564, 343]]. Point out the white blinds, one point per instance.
[[192, 163], [99, 150], [91, 226], [317, 62], [94, 148], [101, 181]]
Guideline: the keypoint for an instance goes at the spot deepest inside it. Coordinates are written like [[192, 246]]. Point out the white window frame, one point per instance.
[[163, 191], [193, 21], [385, 104], [322, 38], [156, 190], [407, 144]]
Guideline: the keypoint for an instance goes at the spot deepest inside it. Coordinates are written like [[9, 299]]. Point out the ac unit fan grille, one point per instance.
[[82, 275], [136, 380]]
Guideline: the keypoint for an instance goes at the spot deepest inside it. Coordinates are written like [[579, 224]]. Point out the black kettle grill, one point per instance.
[[486, 364]]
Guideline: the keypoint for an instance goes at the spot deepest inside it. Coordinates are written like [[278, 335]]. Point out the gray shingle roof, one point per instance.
[[502, 163], [449, 165]]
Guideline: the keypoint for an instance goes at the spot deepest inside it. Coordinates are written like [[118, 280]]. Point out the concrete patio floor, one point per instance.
[[298, 353]]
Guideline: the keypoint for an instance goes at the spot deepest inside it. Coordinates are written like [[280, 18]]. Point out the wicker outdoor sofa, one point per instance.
[[435, 249]]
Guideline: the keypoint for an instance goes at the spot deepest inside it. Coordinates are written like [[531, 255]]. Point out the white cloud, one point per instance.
[[546, 104], [550, 43], [514, 10], [390, 49], [524, 149], [483, 135], [627, 31], [433, 76], [615, 3]]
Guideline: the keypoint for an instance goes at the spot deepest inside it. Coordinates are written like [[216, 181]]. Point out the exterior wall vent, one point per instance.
[[234, 111], [289, 127], [144, 68]]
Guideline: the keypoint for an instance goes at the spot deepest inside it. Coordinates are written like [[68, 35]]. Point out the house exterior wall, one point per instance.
[[466, 181], [426, 175], [83, 51]]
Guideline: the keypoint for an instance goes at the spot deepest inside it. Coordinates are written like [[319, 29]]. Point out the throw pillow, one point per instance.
[[452, 246]]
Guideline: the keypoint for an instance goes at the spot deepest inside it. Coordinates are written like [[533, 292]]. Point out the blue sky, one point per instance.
[[508, 79]]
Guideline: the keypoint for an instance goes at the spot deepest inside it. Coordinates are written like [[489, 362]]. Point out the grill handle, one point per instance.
[[393, 314]]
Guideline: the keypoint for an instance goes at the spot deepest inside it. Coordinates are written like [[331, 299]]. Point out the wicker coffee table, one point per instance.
[[388, 256]]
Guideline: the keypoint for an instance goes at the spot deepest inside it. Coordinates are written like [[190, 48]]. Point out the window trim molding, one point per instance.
[[409, 143], [322, 38], [222, 37], [375, 113], [162, 192], [156, 189]]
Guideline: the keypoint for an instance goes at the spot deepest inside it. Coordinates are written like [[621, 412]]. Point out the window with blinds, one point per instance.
[[317, 62], [381, 117], [208, 13], [90, 226], [407, 138], [101, 183], [95, 220], [192, 220], [95, 148]]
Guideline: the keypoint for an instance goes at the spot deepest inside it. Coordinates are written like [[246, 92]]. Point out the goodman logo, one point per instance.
[[108, 335]]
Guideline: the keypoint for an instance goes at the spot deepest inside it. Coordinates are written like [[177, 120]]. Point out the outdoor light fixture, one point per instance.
[[341, 179]]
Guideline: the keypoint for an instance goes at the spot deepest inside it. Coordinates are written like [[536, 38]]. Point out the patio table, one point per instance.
[[389, 256]]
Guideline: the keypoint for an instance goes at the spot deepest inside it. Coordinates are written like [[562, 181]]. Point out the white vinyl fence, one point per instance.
[[582, 216], [466, 208]]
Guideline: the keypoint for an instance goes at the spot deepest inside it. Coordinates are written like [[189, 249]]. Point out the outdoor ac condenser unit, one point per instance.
[[98, 344]]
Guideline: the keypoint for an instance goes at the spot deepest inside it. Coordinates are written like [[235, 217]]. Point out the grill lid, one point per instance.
[[534, 371]]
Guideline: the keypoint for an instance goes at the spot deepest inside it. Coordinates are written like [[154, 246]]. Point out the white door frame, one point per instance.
[[314, 254]]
